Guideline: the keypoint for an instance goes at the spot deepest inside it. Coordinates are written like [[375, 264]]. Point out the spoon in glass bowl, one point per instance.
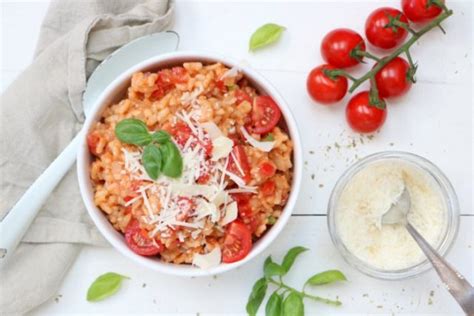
[[456, 284]]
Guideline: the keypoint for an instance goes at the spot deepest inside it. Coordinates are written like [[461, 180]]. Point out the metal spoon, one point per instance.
[[456, 284]]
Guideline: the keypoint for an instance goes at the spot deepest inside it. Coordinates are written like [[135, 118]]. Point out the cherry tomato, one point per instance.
[[267, 169], [377, 31], [362, 116], [268, 188], [324, 89], [139, 241], [238, 158], [392, 80], [246, 213], [167, 79], [92, 142], [420, 11], [265, 115], [337, 45], [185, 205], [221, 86], [237, 242], [241, 96], [181, 133]]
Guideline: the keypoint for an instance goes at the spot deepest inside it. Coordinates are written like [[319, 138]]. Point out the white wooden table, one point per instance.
[[435, 120]]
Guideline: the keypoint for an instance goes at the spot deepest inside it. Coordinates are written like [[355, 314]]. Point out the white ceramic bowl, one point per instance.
[[114, 92]]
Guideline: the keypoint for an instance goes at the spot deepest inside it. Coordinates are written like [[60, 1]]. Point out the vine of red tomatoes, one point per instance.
[[391, 76]]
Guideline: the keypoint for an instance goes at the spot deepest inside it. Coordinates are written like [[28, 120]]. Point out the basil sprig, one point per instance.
[[286, 300], [160, 154], [105, 286]]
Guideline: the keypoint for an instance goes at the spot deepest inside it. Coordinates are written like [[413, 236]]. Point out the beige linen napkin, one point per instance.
[[39, 114]]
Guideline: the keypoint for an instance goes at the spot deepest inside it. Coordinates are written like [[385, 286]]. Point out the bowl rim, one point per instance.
[[449, 195], [104, 100]]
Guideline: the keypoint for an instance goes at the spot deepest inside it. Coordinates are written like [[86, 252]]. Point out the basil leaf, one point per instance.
[[172, 161], [265, 35], [290, 257], [293, 305], [271, 268], [104, 286], [326, 277], [268, 138], [133, 131], [256, 296], [160, 137], [152, 161], [274, 303]]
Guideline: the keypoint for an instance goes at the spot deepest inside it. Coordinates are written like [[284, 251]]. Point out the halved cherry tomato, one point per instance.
[[268, 188], [139, 241], [337, 46], [92, 141], [265, 115], [378, 32], [246, 213], [237, 242], [267, 169], [420, 11], [241, 96], [238, 153]]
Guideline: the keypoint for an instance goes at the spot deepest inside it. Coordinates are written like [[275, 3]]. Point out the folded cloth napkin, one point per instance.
[[40, 113]]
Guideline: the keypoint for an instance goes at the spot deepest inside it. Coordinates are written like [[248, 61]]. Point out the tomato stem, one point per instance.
[[402, 49], [334, 73], [363, 53], [304, 294]]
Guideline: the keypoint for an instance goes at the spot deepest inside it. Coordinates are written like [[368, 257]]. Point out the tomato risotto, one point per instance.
[[235, 173]]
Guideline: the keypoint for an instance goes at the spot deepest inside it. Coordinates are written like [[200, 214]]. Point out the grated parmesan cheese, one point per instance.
[[208, 260], [369, 195], [263, 146]]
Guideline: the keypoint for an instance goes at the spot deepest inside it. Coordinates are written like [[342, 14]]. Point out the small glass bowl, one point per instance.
[[449, 197]]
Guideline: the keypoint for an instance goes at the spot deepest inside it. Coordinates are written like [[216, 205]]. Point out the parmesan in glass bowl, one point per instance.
[[367, 190]]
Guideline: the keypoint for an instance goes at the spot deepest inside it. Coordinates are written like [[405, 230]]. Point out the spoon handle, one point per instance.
[[456, 284]]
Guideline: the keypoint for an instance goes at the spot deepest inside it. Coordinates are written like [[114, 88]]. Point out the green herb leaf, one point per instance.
[[256, 296], [133, 131], [274, 303], [160, 137], [326, 277], [172, 160], [152, 161], [104, 286], [290, 257], [268, 138], [265, 35], [271, 220], [271, 268], [293, 305]]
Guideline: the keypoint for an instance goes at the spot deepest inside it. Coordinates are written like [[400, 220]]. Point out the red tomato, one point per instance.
[[139, 241], [268, 188], [178, 75], [241, 160], [241, 96], [167, 79], [324, 89], [237, 242], [377, 32], [221, 86], [337, 46], [92, 141], [265, 114], [181, 133], [420, 11], [267, 169], [243, 204], [185, 205], [393, 80], [362, 116]]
